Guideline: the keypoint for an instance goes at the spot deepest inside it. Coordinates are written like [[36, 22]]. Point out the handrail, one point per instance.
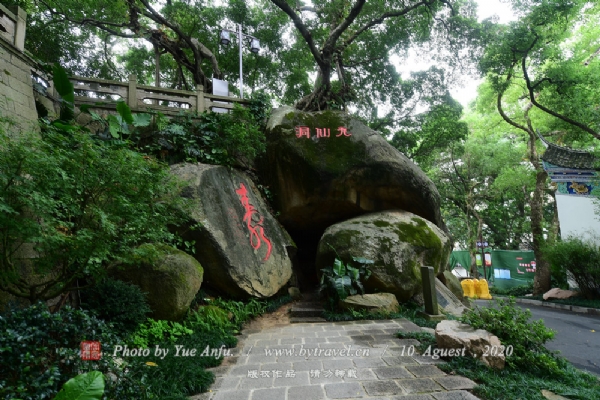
[[144, 97]]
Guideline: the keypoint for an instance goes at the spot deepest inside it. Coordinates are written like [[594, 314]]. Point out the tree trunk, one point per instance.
[[541, 282]]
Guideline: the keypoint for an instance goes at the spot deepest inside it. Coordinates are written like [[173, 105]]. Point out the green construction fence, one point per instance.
[[509, 268]]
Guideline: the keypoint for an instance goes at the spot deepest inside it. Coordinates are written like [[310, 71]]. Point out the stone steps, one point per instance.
[[309, 309]]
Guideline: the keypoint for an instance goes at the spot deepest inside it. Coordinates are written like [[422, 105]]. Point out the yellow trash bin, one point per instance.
[[468, 287], [482, 290]]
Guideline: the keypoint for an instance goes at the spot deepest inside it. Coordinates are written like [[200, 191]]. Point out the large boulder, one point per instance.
[[399, 242], [372, 302], [478, 343], [326, 167], [243, 249], [556, 293], [169, 277]]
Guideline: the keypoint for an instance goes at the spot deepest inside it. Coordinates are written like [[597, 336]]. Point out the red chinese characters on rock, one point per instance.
[[304, 131], [257, 232]]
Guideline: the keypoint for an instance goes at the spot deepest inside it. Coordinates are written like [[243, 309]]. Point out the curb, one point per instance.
[[566, 307]]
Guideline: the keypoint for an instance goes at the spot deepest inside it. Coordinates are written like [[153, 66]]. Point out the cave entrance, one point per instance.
[[304, 264]]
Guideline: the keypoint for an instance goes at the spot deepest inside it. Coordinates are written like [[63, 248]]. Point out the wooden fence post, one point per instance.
[[200, 102], [132, 100]]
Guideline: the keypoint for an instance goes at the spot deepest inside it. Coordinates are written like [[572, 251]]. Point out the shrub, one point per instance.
[[582, 259], [40, 352], [81, 203], [511, 324], [154, 331], [514, 291], [119, 302], [211, 138]]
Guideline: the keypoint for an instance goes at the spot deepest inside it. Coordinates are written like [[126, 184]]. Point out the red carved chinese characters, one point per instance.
[[302, 131], [257, 232], [323, 132], [343, 131]]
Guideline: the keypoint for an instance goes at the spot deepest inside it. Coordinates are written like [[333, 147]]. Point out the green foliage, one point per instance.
[[514, 291], [40, 352], [510, 384], [71, 205], [581, 258], [88, 386], [212, 138], [510, 324], [158, 331], [116, 301], [342, 280], [64, 87], [409, 311]]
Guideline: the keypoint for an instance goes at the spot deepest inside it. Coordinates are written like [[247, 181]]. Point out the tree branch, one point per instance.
[[380, 19], [530, 89], [285, 7]]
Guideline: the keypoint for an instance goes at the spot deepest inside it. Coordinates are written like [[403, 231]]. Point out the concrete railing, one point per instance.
[[102, 93], [12, 26]]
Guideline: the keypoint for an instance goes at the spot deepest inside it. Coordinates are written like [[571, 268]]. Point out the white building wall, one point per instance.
[[578, 216]]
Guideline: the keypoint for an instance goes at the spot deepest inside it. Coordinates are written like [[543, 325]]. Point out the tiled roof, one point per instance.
[[569, 158]]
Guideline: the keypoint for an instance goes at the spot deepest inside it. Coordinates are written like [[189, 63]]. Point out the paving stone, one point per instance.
[[220, 370], [242, 370], [334, 339], [344, 390], [338, 364], [256, 383], [299, 379], [455, 395], [226, 383], [269, 394], [332, 345], [362, 374], [291, 341], [425, 360], [419, 385], [412, 397], [314, 339], [362, 338], [455, 382], [379, 388], [315, 328], [425, 370], [276, 366], [305, 393], [336, 327], [392, 373], [307, 365], [399, 360], [231, 395], [327, 334], [369, 362]]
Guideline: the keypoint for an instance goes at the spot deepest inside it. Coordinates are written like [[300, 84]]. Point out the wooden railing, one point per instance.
[[102, 93]]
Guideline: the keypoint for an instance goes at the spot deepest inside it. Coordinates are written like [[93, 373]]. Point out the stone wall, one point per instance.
[[17, 103]]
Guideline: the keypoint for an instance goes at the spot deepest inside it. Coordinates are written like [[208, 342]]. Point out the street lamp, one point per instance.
[[225, 39]]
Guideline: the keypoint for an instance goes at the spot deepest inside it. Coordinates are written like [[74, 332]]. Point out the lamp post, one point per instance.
[[254, 47]]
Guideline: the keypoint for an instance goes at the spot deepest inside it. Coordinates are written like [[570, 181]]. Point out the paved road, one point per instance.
[[577, 335]]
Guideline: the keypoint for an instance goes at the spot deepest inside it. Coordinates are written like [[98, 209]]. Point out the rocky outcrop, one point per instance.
[[169, 277], [398, 242], [243, 249], [478, 343], [373, 302], [326, 167], [557, 293]]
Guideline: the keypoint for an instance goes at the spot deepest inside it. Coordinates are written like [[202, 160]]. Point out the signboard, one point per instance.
[[220, 88]]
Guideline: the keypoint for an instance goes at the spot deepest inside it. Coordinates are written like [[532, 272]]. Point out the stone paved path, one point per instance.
[[308, 362]]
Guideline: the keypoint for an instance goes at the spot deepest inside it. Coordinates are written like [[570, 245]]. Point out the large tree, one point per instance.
[[543, 73], [351, 42]]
